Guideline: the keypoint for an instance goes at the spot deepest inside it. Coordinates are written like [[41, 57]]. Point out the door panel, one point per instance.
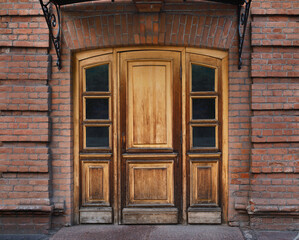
[[150, 104], [150, 183], [204, 183], [150, 100], [95, 185]]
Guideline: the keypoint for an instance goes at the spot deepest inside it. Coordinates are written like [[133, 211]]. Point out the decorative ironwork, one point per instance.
[[243, 14], [53, 21], [54, 25]]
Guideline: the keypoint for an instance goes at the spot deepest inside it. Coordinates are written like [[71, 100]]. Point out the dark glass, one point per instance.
[[203, 108], [97, 108], [204, 137], [97, 137], [97, 78], [203, 78]]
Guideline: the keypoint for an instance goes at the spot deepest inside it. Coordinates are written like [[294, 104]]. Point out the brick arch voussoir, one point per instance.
[[129, 29]]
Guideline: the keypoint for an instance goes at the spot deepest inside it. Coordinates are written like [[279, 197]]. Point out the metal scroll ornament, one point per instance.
[[243, 14], [52, 17]]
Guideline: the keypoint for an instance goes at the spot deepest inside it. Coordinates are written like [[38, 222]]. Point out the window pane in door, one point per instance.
[[97, 78], [203, 78], [204, 137], [97, 108], [203, 108], [97, 136]]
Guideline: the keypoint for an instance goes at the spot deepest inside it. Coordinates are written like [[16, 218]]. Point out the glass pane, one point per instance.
[[97, 78], [203, 78], [204, 137], [97, 108], [97, 136], [203, 108]]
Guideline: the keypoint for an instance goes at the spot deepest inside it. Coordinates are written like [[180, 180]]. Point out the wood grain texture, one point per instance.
[[95, 183], [183, 139], [150, 183], [150, 131], [95, 190], [208, 52], [115, 130], [76, 98], [149, 96], [203, 183], [224, 169]]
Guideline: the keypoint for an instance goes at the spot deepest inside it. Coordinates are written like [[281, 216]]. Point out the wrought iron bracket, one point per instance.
[[243, 14], [52, 17], [51, 11]]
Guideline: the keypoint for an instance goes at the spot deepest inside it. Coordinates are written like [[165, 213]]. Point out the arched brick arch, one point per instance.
[[188, 27]]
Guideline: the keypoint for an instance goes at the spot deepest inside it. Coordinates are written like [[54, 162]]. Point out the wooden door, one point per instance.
[[150, 131], [150, 136]]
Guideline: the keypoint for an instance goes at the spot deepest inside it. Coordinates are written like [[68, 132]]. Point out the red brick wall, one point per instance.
[[25, 132], [36, 149], [274, 199]]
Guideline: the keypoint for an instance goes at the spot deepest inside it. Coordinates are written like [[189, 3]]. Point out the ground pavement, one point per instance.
[[152, 232]]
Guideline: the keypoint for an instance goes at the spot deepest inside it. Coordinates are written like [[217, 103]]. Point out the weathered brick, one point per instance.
[[24, 98], [274, 31], [17, 67], [275, 94], [275, 127], [285, 66], [278, 157], [24, 128], [24, 157]]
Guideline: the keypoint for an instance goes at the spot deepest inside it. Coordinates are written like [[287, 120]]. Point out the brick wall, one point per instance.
[[36, 162], [274, 199], [25, 189]]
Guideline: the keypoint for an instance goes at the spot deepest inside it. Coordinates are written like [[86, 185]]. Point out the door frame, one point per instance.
[[116, 163]]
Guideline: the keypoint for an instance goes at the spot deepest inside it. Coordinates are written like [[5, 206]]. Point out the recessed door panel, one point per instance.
[[95, 183], [150, 183], [150, 104], [204, 183]]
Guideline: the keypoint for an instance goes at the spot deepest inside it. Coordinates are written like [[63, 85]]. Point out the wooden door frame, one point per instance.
[[80, 56]]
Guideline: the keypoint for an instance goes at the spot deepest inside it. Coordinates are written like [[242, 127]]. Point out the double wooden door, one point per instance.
[[148, 137]]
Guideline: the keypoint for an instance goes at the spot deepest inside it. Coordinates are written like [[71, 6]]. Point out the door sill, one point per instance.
[[204, 215], [96, 215], [150, 216]]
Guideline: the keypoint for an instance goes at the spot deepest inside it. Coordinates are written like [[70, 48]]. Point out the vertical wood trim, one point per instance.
[[224, 173], [183, 136], [76, 138], [115, 138], [118, 160]]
